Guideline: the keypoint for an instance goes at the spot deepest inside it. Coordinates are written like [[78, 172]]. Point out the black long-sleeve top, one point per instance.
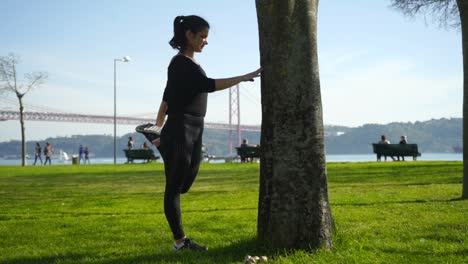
[[187, 87]]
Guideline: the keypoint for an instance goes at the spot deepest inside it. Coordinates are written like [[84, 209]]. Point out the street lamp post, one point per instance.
[[124, 59]]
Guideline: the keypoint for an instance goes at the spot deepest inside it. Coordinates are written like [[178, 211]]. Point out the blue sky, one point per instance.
[[376, 65]]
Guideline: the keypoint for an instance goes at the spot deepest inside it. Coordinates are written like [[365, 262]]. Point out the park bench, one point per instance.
[[248, 152], [396, 150], [140, 154]]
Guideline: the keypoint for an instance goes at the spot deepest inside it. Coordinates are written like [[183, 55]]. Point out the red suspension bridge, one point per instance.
[[103, 119], [52, 115]]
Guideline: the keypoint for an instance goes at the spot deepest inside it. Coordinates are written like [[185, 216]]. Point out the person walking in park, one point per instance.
[[86, 155], [185, 103], [81, 154], [37, 153], [130, 145], [48, 153]]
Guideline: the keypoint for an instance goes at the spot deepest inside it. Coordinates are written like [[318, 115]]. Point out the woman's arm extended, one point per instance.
[[222, 84]]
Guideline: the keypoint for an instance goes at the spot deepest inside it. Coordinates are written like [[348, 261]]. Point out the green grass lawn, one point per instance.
[[405, 212]]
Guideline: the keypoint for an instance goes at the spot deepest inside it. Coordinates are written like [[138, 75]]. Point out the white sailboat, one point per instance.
[[63, 156]]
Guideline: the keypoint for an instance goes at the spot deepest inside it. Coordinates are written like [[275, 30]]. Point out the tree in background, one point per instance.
[[454, 13], [9, 83], [294, 210]]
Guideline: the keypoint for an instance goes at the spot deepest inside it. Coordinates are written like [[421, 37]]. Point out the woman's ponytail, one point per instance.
[[178, 40]]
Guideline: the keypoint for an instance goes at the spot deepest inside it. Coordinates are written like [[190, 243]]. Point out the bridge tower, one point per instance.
[[234, 116]]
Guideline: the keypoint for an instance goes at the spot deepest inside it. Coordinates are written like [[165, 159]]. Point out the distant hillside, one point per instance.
[[433, 136]]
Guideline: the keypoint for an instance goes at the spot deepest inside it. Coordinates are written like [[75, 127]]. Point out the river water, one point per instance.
[[330, 158]]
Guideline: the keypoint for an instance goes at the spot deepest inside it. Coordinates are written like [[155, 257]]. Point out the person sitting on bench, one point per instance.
[[403, 141], [245, 143], [384, 140]]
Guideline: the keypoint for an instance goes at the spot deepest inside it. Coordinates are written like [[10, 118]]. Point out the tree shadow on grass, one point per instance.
[[428, 253], [45, 259], [399, 202], [232, 253]]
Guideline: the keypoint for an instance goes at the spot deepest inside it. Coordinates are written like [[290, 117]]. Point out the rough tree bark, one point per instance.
[[294, 210]]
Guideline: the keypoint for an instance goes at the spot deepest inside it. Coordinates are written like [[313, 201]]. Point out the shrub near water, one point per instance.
[[405, 212]]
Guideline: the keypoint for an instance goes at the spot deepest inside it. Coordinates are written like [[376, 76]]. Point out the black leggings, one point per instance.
[[181, 142]]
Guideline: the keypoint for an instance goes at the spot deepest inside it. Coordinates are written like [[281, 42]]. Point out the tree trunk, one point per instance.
[[294, 211], [463, 9], [23, 137]]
